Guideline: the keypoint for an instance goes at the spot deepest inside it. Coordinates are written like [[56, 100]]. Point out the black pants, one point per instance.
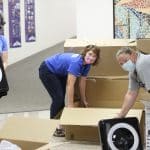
[[55, 86]]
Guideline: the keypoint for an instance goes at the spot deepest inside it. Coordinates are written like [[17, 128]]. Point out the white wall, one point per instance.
[[55, 21], [94, 19]]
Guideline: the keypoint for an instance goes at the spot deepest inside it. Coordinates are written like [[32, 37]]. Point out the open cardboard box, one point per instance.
[[108, 66], [105, 96], [28, 133], [82, 123], [107, 92]]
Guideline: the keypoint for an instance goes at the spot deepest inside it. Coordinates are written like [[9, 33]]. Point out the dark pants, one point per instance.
[[55, 86]]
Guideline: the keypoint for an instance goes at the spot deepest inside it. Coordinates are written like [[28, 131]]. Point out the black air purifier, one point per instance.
[[3, 80], [120, 134]]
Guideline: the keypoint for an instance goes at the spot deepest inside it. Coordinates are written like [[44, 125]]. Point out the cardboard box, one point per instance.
[[107, 91], [28, 133], [44, 147], [143, 45], [108, 64], [146, 101], [82, 123]]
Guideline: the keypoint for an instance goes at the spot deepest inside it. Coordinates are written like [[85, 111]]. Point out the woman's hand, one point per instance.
[[5, 66], [70, 90], [119, 115], [84, 103]]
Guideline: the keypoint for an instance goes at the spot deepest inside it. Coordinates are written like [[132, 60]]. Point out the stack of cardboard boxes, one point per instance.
[[106, 86]]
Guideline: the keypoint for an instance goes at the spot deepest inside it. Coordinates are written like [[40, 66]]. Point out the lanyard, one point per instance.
[[141, 84]]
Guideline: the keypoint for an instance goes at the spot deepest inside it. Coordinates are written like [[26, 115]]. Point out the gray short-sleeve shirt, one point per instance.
[[141, 77]]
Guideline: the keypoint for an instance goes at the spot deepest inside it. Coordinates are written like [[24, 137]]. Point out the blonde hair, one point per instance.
[[124, 50]]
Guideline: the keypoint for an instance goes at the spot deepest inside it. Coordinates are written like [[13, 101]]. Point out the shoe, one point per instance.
[[59, 132]]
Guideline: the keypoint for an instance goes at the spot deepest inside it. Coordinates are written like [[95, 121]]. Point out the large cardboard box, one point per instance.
[[107, 91], [108, 64], [82, 123], [28, 133], [104, 93]]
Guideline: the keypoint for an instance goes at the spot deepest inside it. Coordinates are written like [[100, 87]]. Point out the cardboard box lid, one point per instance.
[[123, 77], [101, 43], [28, 129], [91, 116]]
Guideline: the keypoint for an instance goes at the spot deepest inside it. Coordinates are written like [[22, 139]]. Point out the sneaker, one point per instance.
[[59, 132]]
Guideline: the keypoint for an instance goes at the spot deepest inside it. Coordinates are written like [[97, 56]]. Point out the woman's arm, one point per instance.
[[70, 90], [5, 59], [82, 86]]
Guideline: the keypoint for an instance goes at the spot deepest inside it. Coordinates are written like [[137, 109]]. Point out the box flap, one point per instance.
[[101, 43], [123, 77], [28, 129], [143, 45], [91, 116]]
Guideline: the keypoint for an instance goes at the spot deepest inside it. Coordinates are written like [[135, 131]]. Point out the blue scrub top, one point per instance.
[[64, 63]]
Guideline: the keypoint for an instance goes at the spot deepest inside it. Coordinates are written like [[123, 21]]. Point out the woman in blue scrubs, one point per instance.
[[59, 73]]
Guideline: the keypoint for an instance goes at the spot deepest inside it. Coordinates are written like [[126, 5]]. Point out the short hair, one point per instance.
[[124, 50], [96, 50]]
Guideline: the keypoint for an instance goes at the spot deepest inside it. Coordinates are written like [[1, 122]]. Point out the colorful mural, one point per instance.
[[132, 19]]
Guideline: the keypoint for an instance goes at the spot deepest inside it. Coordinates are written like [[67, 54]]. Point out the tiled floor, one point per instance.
[[55, 143]]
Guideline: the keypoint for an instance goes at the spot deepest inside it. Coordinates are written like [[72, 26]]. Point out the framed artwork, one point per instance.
[[131, 19], [1, 11], [30, 35], [14, 23], [1, 5]]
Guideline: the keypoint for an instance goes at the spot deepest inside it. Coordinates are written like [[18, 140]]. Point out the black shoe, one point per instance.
[[59, 132]]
